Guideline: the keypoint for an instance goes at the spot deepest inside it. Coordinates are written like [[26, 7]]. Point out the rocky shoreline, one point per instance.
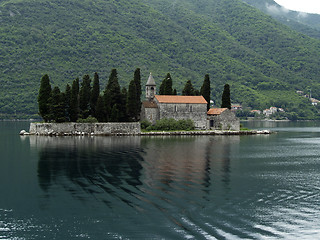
[[118, 129]]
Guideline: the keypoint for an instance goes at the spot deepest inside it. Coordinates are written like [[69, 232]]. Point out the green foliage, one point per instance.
[[84, 96], [95, 92], [171, 125], [145, 124], [205, 90], [100, 109], [226, 102], [137, 81], [112, 97], [74, 101], [132, 107], [43, 98], [67, 102], [188, 89], [57, 106], [87, 120], [227, 39]]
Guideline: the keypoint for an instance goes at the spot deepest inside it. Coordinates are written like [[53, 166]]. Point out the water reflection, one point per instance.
[[96, 165], [165, 163]]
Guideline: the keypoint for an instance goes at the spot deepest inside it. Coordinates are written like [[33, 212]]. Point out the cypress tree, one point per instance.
[[188, 89], [131, 102], [205, 90], [43, 98], [137, 81], [67, 98], [114, 117], [112, 95], [174, 92], [226, 102], [100, 111], [94, 94], [74, 101], [123, 107], [162, 87], [84, 97], [168, 85], [57, 105]]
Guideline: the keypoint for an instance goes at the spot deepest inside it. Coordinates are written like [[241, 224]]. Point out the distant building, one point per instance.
[[314, 101], [236, 106], [222, 118], [157, 107], [256, 111], [172, 106]]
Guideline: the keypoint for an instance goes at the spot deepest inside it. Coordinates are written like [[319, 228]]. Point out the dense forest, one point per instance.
[[83, 102], [263, 61], [305, 23]]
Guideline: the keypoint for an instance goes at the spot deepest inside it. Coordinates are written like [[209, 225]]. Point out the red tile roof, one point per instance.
[[180, 99], [216, 111], [148, 104]]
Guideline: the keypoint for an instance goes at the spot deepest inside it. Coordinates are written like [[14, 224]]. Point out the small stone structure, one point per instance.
[[150, 112], [61, 129], [222, 119], [157, 107]]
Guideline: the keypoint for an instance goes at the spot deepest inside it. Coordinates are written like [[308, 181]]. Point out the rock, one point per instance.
[[23, 132]]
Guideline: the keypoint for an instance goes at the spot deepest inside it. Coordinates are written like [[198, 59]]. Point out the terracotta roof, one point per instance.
[[180, 99], [148, 104], [216, 111]]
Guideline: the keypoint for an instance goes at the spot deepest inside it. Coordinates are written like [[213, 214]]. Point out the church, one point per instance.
[[157, 107]]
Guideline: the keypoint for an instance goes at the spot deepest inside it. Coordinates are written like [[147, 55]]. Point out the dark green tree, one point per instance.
[[132, 102], [123, 106], [115, 114], [137, 81], [206, 90], [100, 111], [67, 98], [57, 105], [162, 87], [112, 96], [94, 94], [84, 97], [174, 92], [225, 99], [74, 101], [166, 86], [43, 98], [188, 89]]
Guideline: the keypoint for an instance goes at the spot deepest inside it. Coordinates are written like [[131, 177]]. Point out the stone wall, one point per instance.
[[178, 111], [150, 114], [225, 121], [85, 128]]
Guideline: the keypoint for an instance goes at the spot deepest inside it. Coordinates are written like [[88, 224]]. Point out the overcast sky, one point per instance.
[[310, 6]]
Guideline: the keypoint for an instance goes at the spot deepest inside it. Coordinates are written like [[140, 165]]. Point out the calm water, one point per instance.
[[217, 187]]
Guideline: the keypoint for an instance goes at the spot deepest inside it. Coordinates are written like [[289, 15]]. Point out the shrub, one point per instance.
[[87, 120], [145, 124], [172, 125]]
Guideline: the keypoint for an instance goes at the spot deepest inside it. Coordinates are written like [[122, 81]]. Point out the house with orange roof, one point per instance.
[[223, 119], [157, 107]]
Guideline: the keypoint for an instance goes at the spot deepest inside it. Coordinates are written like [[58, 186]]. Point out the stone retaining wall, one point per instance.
[[85, 128]]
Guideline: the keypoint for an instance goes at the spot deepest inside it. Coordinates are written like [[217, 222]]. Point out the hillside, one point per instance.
[[305, 23], [262, 60]]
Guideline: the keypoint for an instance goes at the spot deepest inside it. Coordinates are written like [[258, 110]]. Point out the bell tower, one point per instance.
[[150, 88]]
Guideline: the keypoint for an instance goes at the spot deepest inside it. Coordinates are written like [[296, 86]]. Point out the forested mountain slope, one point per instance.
[[262, 60], [305, 23]]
